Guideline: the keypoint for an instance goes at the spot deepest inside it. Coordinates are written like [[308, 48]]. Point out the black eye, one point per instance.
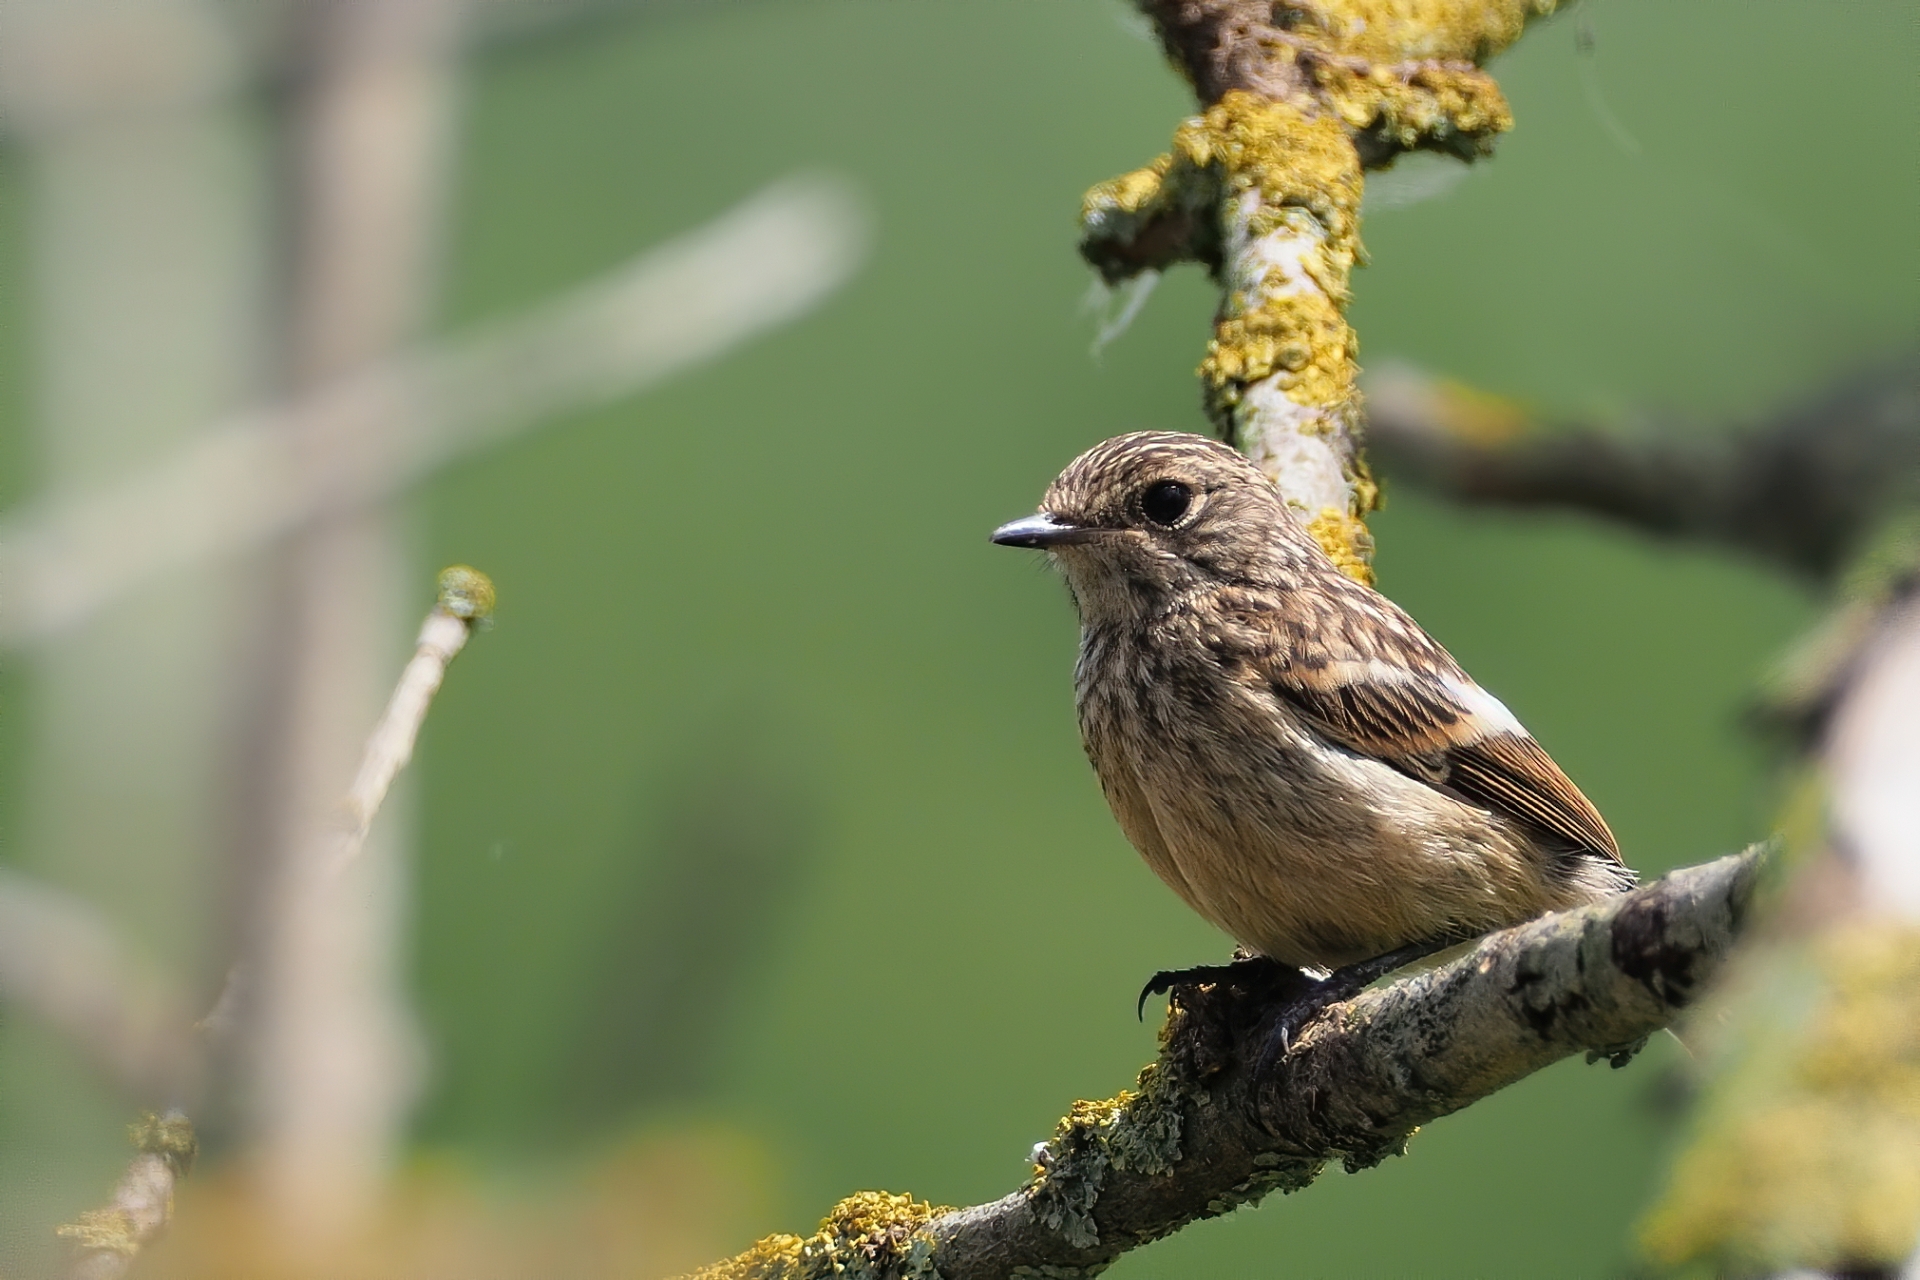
[[1165, 501]]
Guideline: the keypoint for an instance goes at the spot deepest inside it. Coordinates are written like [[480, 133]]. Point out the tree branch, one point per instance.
[[1801, 490], [1201, 1135], [466, 601], [62, 960], [1264, 188], [108, 1240]]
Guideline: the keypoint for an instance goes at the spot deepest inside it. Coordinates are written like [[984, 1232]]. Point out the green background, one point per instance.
[[763, 807]]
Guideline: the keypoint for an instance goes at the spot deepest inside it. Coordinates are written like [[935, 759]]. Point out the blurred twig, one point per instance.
[[109, 1240], [1205, 1133], [764, 263], [466, 601], [89, 985], [1800, 490], [63, 961]]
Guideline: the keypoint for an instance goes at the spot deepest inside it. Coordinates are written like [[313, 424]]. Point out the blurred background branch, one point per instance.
[[360, 438], [63, 962], [256, 544], [108, 1241], [1802, 490]]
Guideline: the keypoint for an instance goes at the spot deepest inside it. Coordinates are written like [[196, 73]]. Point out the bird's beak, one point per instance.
[[1043, 530]]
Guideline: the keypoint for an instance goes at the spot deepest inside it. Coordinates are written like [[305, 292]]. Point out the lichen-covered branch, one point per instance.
[[109, 1239], [1802, 490], [1264, 188], [1803, 1151], [1203, 1132]]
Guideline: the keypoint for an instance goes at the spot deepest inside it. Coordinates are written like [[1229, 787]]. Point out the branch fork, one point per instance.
[[1264, 189]]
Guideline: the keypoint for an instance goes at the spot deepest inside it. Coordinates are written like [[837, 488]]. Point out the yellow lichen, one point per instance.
[[1808, 1152], [1128, 194], [1306, 175], [1346, 541], [169, 1136], [1409, 30], [867, 1214], [466, 593], [1450, 106], [1294, 156], [1267, 193], [103, 1231], [774, 1257], [868, 1235]]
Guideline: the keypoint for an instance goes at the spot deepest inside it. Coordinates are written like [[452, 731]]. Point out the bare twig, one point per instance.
[[1800, 490], [764, 263], [466, 601], [1202, 1135], [62, 960], [108, 1240]]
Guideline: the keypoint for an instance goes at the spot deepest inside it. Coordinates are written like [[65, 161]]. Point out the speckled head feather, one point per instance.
[[1288, 749], [1104, 497]]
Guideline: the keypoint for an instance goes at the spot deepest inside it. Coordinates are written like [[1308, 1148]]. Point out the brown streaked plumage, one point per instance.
[[1285, 747]]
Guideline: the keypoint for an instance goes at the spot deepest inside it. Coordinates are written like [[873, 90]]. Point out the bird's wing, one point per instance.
[[1377, 685]]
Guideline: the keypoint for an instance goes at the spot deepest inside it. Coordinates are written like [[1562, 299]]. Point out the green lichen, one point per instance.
[[871, 1235], [1138, 1131], [1806, 1153]]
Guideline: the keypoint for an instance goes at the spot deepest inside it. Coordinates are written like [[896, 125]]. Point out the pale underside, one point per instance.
[[1297, 849]]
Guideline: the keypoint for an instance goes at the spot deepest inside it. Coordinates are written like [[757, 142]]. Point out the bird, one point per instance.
[[1289, 751]]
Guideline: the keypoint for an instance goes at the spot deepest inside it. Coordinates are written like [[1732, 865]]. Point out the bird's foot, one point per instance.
[[1284, 1021], [1255, 975]]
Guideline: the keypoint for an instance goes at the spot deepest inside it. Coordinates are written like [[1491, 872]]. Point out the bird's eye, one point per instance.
[[1165, 501]]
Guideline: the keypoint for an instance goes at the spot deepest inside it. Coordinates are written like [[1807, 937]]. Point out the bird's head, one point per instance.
[[1142, 518]]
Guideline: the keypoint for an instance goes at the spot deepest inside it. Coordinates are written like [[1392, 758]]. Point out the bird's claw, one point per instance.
[[1253, 973]]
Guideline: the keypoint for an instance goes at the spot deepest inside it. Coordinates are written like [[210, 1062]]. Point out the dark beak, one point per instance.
[[1043, 530]]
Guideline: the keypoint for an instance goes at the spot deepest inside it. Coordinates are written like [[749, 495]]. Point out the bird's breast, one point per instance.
[[1295, 847]]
